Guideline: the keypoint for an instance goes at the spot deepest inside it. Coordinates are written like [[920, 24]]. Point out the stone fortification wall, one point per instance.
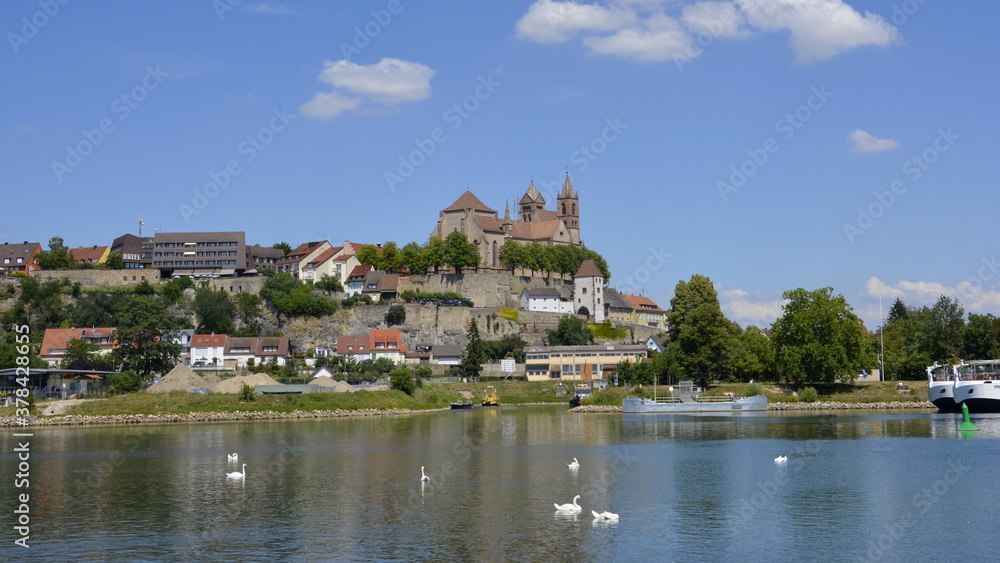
[[249, 284], [487, 289], [100, 278]]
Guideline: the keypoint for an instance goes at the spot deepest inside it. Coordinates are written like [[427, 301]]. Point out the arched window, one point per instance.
[[494, 254], [563, 208], [574, 209]]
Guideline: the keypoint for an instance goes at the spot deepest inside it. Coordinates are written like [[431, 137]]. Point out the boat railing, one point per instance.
[[676, 400]]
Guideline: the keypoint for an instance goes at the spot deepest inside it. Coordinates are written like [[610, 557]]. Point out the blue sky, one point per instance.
[[766, 144]]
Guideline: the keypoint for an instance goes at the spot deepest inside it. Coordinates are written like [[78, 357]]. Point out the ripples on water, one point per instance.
[[891, 487]]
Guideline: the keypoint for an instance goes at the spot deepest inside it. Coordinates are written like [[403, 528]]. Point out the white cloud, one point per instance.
[[387, 83], [863, 141], [552, 22], [759, 313], [643, 30], [974, 294], [325, 105], [715, 19], [819, 29], [655, 39]]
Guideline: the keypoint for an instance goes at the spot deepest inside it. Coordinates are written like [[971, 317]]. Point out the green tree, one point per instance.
[[370, 254], [114, 262], [392, 259], [459, 252], [396, 315], [474, 356], [511, 255], [571, 331], [402, 380], [329, 283], [701, 341], [283, 246], [754, 359], [216, 313], [78, 351], [412, 256], [57, 257], [145, 337], [434, 254], [981, 340], [945, 329], [819, 338]]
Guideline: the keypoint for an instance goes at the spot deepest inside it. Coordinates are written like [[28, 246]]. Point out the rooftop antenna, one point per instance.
[[140, 226]]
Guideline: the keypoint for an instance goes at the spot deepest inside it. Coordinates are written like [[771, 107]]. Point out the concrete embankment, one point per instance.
[[885, 405], [75, 420]]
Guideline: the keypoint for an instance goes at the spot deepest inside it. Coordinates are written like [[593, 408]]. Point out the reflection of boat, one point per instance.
[[490, 398], [978, 386], [696, 404], [941, 387], [461, 405]]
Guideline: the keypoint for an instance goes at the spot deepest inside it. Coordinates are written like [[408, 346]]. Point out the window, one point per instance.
[[269, 349], [584, 291]]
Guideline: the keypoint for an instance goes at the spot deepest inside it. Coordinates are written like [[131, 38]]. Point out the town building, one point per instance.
[[578, 363], [588, 291], [208, 350], [94, 255], [20, 257], [544, 299], [645, 311], [299, 258], [55, 341]]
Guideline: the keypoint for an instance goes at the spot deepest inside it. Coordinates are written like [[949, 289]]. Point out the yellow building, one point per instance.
[[578, 363]]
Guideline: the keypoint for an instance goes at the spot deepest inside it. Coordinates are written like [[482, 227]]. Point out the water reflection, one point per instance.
[[703, 487]]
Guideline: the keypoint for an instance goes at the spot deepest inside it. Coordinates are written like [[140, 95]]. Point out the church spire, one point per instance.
[[506, 211], [567, 190]]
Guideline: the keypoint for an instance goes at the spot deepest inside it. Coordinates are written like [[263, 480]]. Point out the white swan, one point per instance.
[[604, 515], [237, 474], [423, 476], [574, 465], [233, 457], [781, 459], [573, 508]]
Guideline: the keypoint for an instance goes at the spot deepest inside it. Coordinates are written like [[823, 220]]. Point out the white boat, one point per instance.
[[699, 404], [978, 386], [941, 387]]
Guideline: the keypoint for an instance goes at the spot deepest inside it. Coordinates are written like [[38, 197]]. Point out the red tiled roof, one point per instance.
[[57, 338], [468, 201], [324, 256], [350, 344], [88, 254], [588, 269], [203, 340], [642, 303]]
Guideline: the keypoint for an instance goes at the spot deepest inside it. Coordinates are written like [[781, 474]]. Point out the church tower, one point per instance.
[[568, 209], [531, 204]]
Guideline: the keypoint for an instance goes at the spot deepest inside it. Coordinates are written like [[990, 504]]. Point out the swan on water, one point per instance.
[[423, 476], [238, 474], [233, 457], [574, 465], [781, 459], [573, 508], [604, 515]]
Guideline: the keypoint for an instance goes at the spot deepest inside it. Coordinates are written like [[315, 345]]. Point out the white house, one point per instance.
[[207, 349], [544, 299]]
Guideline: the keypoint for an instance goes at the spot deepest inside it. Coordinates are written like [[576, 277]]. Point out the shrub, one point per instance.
[[753, 389], [124, 382], [808, 395], [424, 372], [402, 380], [396, 315], [246, 393]]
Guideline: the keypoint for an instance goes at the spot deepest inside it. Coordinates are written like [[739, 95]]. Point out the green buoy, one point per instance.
[[967, 428]]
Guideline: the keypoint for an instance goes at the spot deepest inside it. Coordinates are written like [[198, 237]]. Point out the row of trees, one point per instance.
[[58, 257], [455, 251]]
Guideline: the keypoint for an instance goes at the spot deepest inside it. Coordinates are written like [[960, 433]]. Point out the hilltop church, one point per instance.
[[481, 225]]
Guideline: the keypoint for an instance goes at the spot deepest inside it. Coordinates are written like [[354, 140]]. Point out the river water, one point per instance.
[[859, 485]]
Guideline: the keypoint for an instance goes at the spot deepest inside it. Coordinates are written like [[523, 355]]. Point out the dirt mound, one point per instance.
[[234, 384], [181, 378], [337, 386]]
